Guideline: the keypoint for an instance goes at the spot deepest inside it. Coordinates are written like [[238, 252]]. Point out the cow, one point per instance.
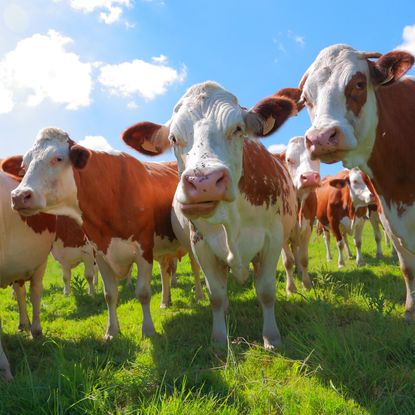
[[305, 174], [235, 199], [25, 244], [342, 205], [122, 204], [362, 113], [70, 248]]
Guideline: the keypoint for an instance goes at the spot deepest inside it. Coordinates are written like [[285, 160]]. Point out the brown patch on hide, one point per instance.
[[356, 93]]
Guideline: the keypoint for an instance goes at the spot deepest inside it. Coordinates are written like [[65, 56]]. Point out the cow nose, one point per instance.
[[309, 179], [206, 186], [324, 139], [21, 199]]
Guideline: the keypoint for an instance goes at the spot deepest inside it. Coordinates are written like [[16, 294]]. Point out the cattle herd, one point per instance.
[[226, 201]]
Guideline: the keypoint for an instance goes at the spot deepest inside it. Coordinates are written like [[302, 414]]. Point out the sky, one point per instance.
[[95, 67]]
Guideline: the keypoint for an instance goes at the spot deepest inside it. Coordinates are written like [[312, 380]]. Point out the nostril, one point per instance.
[[333, 133], [27, 197]]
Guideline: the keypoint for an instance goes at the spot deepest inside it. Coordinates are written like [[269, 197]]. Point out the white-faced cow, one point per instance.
[[305, 174], [123, 205], [362, 113], [70, 248], [25, 244], [239, 202]]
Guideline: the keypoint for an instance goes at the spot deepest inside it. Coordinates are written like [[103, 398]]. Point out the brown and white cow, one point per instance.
[[70, 248], [342, 204], [123, 205], [305, 174], [25, 244], [362, 113], [238, 202]]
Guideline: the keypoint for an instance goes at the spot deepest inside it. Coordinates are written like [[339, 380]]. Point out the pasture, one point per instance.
[[346, 348]]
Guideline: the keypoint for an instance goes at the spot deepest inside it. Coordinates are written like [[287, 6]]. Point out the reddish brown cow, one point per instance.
[[124, 207]]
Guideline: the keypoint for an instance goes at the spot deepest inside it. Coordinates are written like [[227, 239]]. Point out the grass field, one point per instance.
[[346, 349]]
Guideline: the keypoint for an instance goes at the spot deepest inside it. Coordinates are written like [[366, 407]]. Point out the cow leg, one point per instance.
[[374, 221], [143, 293], [326, 237], [36, 290], [129, 277], [66, 277], [89, 263], [20, 293], [111, 297], [5, 371], [216, 276], [200, 295], [173, 276], [288, 260], [358, 229], [335, 227], [303, 255], [164, 265], [265, 287], [346, 243]]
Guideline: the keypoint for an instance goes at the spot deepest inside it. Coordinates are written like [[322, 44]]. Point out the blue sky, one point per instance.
[[94, 67]]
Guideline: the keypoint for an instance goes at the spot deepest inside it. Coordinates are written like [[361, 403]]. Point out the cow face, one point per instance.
[[207, 131], [339, 92], [304, 172], [359, 192], [48, 184]]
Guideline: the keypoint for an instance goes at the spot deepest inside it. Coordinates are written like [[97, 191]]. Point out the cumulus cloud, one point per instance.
[[132, 105], [97, 143], [408, 36], [41, 67], [110, 11], [140, 78], [277, 148]]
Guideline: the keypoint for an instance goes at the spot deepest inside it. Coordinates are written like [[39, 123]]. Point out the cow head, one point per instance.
[[207, 131], [359, 192], [48, 184], [304, 172], [339, 93]]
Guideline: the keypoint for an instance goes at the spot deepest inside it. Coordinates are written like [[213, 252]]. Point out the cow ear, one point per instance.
[[147, 138], [12, 166], [390, 67], [280, 156], [268, 115], [338, 183], [79, 156], [294, 94]]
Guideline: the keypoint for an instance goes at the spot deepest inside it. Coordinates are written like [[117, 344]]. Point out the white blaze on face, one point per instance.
[[359, 192], [299, 161], [49, 175], [207, 130], [332, 75]]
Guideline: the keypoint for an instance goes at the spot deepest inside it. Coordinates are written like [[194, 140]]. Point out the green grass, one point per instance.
[[346, 349]]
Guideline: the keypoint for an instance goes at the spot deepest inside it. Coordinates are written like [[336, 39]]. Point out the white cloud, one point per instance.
[[159, 59], [41, 68], [132, 105], [97, 143], [408, 36], [139, 77], [277, 148], [110, 10], [299, 39]]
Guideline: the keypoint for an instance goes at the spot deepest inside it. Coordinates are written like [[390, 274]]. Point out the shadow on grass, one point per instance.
[[365, 355]]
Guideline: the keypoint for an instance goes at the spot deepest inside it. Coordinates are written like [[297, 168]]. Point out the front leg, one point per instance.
[[164, 265], [5, 371], [265, 286], [216, 275], [111, 297], [288, 260], [358, 229], [20, 293], [36, 290]]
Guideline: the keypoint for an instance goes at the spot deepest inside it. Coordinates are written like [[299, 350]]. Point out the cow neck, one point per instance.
[[69, 232], [392, 159], [40, 223], [308, 207], [264, 178], [110, 191]]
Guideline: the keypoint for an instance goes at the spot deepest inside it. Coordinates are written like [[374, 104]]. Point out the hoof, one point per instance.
[[379, 255], [360, 263], [165, 305], [6, 373], [36, 333], [148, 331], [341, 265], [291, 289], [410, 316], [272, 343], [108, 337], [23, 327], [219, 340]]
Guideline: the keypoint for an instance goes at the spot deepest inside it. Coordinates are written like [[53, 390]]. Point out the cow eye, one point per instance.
[[238, 130], [361, 85], [173, 138], [59, 159]]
